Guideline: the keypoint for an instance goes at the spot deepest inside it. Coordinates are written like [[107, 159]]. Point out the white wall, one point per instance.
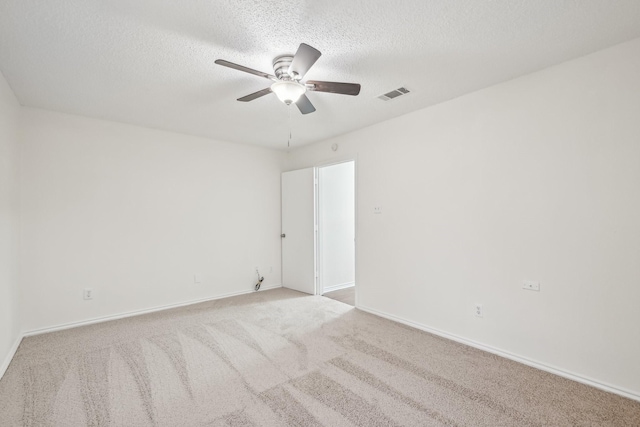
[[336, 220], [537, 178], [9, 221], [134, 213]]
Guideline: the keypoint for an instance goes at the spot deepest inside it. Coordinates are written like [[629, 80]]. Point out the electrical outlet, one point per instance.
[[377, 210], [531, 286], [197, 279], [478, 312], [87, 293]]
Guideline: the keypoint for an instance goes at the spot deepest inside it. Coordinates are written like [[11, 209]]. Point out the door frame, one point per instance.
[[318, 262]]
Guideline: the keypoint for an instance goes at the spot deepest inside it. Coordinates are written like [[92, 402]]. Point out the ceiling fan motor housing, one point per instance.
[[281, 66]]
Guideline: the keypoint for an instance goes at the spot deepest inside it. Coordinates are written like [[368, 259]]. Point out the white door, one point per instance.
[[298, 230]]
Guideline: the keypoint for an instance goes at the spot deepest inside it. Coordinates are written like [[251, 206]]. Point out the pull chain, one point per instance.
[[289, 141]]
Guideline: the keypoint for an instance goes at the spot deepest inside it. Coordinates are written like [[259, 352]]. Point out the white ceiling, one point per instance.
[[151, 62]]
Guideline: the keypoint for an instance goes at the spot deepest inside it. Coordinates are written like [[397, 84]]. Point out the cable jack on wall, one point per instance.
[[260, 279]]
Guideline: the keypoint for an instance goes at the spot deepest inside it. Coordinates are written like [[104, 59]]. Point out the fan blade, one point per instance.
[[255, 95], [304, 105], [245, 69], [304, 58], [335, 87]]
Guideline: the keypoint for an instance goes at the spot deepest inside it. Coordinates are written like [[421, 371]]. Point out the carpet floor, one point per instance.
[[278, 358], [347, 296]]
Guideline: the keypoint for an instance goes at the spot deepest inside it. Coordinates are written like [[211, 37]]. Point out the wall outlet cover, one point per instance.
[[478, 312]]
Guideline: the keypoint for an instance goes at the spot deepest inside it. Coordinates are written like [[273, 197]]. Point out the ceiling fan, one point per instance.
[[287, 81]]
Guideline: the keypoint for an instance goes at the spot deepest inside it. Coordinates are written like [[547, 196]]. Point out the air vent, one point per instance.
[[394, 94]]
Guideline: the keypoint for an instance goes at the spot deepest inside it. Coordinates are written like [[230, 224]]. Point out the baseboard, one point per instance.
[[526, 361], [338, 287], [9, 357], [138, 312]]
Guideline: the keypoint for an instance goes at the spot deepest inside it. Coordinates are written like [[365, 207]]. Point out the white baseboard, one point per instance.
[[338, 287], [9, 357], [526, 361], [138, 312]]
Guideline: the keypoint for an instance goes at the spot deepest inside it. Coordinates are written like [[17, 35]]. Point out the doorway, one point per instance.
[[318, 231], [336, 219]]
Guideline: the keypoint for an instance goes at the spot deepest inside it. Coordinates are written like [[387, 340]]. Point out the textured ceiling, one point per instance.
[[151, 62]]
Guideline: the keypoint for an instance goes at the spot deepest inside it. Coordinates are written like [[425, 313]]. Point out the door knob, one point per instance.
[[283, 235]]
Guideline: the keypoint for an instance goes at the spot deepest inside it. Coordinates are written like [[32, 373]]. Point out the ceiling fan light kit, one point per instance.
[[287, 79], [288, 91]]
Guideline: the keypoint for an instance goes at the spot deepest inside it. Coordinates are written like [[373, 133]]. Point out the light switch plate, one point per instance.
[[531, 286]]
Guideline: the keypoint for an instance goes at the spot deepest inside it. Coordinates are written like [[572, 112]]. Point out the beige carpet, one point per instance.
[[347, 296], [279, 358]]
